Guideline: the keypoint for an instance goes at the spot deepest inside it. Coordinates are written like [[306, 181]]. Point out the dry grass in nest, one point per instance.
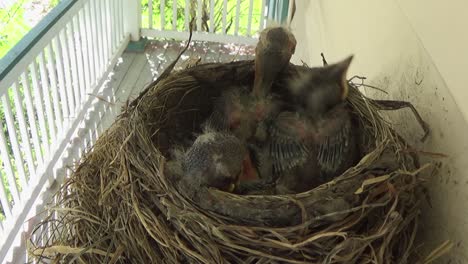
[[120, 207]]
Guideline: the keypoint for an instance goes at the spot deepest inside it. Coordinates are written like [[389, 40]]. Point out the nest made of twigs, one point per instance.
[[120, 207]]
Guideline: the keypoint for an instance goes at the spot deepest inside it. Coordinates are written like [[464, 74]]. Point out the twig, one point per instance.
[[167, 71], [324, 61], [427, 153], [365, 85]]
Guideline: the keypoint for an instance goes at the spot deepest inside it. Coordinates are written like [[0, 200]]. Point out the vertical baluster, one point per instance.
[[224, 16], [64, 100], [101, 36], [54, 90], [236, 27], [98, 38], [81, 88], [262, 16], [85, 51], [212, 6], [249, 21], [113, 23], [7, 167], [4, 198], [103, 11], [45, 93], [162, 11], [14, 143], [199, 15], [67, 69], [109, 32], [120, 16], [73, 66], [40, 109], [150, 14], [32, 119], [174, 14], [116, 22], [26, 142], [91, 49], [187, 14]]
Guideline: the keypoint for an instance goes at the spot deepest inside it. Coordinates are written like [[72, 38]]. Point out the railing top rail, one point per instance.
[[19, 51]]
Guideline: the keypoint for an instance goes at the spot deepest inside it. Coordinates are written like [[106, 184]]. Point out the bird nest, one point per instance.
[[120, 205]]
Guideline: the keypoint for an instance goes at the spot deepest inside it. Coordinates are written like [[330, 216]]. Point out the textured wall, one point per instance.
[[417, 51]]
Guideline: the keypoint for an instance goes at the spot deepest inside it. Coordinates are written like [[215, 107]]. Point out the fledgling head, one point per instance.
[[273, 52], [214, 160], [318, 90], [276, 39]]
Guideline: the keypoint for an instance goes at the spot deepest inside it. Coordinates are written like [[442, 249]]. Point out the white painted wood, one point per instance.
[[150, 13], [84, 51], [105, 33], [61, 81], [109, 29], [109, 111], [120, 17], [39, 110], [262, 16], [212, 15], [113, 25], [38, 183], [100, 40], [290, 9], [54, 90], [7, 167], [79, 58], [32, 119], [224, 16], [50, 120], [91, 47], [14, 142], [25, 140], [236, 27], [187, 14], [132, 18], [23, 64], [202, 36], [174, 14], [199, 15], [162, 5], [249, 19], [118, 24], [4, 201], [68, 74], [73, 65]]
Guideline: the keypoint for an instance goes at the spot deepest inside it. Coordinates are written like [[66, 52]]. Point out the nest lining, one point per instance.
[[119, 205]]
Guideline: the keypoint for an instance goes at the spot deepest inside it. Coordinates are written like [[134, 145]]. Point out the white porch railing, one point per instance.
[[48, 84], [46, 87], [226, 21]]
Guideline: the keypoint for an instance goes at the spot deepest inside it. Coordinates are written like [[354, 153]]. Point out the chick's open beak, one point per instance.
[[249, 173]]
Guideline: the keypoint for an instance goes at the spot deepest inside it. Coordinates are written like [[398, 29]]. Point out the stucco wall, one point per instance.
[[417, 51]]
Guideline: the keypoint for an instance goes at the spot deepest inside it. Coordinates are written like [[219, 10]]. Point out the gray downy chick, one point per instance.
[[214, 160], [316, 142]]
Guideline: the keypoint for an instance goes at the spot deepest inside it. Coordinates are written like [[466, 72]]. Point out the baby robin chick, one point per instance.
[[318, 141], [307, 153], [240, 113], [274, 49], [216, 160], [317, 90]]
